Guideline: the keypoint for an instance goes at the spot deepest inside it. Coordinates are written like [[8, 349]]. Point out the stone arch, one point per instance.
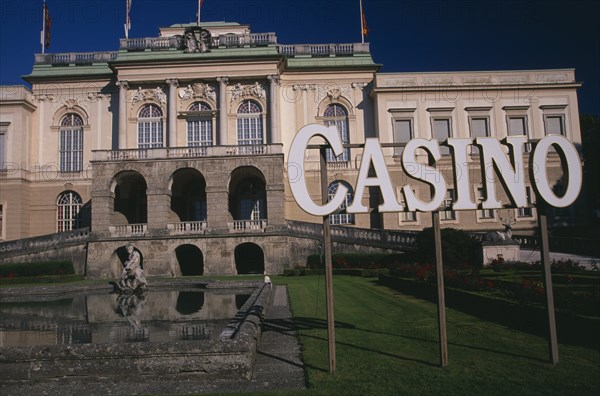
[[247, 194], [190, 260], [249, 259], [64, 110], [341, 101], [129, 189], [188, 194]]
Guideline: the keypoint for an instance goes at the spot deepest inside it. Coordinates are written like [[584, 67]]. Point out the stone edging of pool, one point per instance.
[[232, 355]]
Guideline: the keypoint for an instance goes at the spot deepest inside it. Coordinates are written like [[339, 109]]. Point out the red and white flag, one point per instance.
[[127, 18], [45, 36]]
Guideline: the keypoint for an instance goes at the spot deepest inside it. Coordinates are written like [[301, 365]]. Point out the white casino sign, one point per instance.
[[491, 149]]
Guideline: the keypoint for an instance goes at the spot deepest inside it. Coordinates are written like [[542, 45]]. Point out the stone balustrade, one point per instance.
[[247, 225], [75, 58], [187, 228], [128, 230], [186, 152], [323, 49], [221, 41], [401, 240], [44, 242]]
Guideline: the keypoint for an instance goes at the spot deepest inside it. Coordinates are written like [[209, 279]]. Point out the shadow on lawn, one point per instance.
[[571, 329], [289, 327]]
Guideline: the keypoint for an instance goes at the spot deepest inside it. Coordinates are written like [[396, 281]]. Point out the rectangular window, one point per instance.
[[445, 213], [2, 206], [555, 125], [342, 127], [517, 126], [528, 211], [2, 150], [150, 134], [403, 133], [406, 216], [479, 128], [199, 133], [71, 150], [483, 213], [442, 131]]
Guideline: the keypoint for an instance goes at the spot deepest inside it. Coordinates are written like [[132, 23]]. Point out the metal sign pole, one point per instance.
[[328, 263], [441, 306], [545, 252]]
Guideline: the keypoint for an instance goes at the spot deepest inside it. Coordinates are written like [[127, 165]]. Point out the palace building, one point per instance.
[[178, 143]]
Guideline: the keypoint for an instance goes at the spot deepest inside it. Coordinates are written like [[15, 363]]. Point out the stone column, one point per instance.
[[273, 109], [159, 210], [222, 110], [172, 112], [217, 202], [275, 206], [123, 87], [102, 211]]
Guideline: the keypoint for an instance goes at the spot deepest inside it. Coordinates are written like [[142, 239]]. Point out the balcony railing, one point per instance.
[[128, 230], [222, 41], [186, 152], [187, 228], [75, 58], [174, 42], [247, 225], [323, 49]]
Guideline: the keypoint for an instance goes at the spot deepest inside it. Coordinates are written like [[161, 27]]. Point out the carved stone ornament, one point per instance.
[[94, 96], [143, 95], [333, 92], [70, 103], [195, 39], [44, 98], [247, 91], [198, 91]]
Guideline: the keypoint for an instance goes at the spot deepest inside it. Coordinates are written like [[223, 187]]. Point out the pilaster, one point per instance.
[[122, 136], [222, 110], [172, 112]]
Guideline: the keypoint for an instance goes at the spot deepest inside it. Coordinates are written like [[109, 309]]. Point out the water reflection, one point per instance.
[[189, 302], [153, 316]]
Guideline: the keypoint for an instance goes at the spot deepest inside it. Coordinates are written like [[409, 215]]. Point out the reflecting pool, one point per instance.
[[95, 318]]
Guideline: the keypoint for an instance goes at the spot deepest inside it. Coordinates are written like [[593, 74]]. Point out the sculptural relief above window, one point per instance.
[[149, 95], [197, 91]]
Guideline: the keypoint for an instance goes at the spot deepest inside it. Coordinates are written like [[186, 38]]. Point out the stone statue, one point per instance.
[[258, 91], [196, 39], [501, 236], [132, 276]]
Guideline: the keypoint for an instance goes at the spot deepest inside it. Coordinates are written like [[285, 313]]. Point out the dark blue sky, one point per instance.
[[405, 35]]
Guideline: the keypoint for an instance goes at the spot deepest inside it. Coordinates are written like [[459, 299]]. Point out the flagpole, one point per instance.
[[199, 8], [362, 27], [126, 19], [43, 32]]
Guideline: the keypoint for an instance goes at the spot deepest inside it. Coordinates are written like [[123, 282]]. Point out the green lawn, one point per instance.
[[387, 344]]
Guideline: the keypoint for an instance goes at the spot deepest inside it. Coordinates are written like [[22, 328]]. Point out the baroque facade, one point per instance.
[[179, 142]]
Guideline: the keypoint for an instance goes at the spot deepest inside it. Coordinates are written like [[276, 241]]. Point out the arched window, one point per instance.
[[337, 115], [341, 217], [249, 123], [150, 130], [71, 143], [200, 125], [67, 211]]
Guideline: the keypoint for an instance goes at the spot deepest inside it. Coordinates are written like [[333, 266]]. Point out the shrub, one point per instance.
[[13, 270], [358, 260], [458, 248]]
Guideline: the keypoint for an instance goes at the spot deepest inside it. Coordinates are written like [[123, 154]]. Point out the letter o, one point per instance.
[[573, 164]]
